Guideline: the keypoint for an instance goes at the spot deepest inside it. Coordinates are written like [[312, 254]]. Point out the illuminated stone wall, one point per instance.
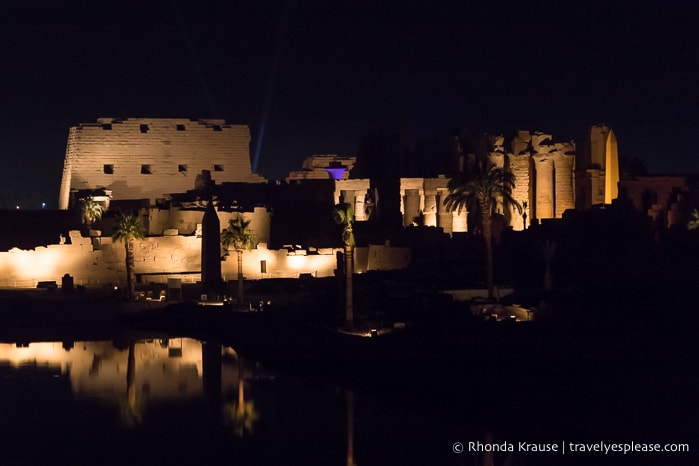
[[423, 199], [597, 178], [99, 262], [147, 158], [314, 167], [353, 191], [181, 221], [545, 176]]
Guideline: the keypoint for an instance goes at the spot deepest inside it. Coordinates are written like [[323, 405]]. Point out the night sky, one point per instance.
[[314, 77]]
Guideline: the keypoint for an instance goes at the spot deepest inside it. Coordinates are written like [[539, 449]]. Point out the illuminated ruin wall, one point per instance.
[[183, 221], [315, 168], [597, 179], [96, 262], [545, 175], [147, 158], [545, 182]]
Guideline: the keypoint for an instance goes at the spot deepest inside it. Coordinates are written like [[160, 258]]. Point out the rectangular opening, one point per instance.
[[146, 170], [182, 168], [217, 128], [107, 126], [108, 169], [218, 168], [180, 128], [144, 128]]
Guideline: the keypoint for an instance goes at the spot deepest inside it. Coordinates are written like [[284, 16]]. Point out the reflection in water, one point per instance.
[[180, 401], [349, 402], [211, 371], [131, 410], [142, 370], [199, 398], [240, 415]]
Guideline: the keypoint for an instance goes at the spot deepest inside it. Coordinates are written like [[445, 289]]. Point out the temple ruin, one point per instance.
[[145, 158], [597, 180]]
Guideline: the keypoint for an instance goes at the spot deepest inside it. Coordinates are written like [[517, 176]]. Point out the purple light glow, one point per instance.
[[336, 172]]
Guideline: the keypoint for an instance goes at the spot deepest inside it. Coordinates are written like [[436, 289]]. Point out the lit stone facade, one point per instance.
[[544, 172], [422, 202], [95, 262], [544, 186], [597, 178], [176, 220], [148, 158], [315, 167], [355, 192]]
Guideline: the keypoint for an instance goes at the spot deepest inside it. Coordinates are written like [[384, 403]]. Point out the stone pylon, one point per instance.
[[212, 284]]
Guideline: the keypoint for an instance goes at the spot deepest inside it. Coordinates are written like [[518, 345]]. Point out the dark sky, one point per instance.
[[324, 73]]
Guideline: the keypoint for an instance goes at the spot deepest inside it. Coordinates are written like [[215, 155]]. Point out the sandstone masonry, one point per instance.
[[147, 158]]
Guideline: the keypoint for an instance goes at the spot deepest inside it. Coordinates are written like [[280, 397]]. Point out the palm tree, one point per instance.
[[127, 230], [131, 408], [481, 190], [693, 223], [344, 215], [239, 237], [349, 406], [90, 212], [241, 415]]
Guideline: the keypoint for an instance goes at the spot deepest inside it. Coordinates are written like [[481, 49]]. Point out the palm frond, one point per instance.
[[470, 189], [90, 211], [128, 228], [693, 223], [344, 215], [237, 236]]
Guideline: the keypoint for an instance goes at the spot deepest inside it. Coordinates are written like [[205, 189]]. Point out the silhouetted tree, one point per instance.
[[344, 215], [127, 230], [482, 189], [241, 415], [239, 237]]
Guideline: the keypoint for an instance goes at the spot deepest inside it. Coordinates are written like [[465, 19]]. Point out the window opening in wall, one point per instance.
[[182, 168], [180, 127], [218, 168], [146, 170], [109, 169], [217, 128], [107, 126], [144, 128]]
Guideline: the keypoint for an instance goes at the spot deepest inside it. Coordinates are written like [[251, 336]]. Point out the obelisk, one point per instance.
[[211, 281]]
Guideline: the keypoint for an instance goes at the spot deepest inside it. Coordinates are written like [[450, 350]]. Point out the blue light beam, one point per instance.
[[191, 50], [271, 84]]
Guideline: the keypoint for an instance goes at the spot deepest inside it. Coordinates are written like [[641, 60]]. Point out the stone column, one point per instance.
[[359, 213], [412, 206], [444, 217], [459, 221], [66, 179], [519, 166], [564, 183], [347, 197], [543, 164], [429, 215]]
